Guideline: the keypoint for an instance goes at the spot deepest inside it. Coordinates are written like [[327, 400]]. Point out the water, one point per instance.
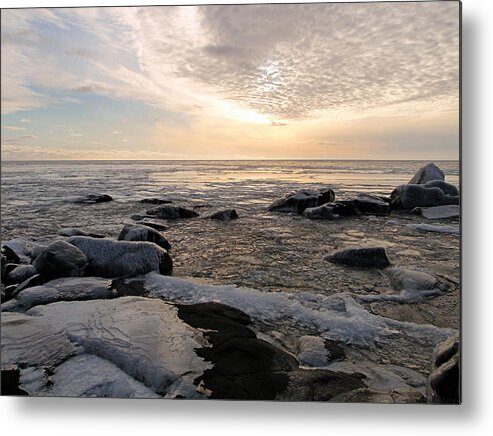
[[269, 252]]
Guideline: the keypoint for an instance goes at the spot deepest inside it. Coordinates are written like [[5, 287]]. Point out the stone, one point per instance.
[[154, 201], [225, 215], [447, 188], [324, 212], [172, 212], [411, 280], [20, 274], [35, 280], [411, 196], [61, 259], [152, 224], [92, 199], [453, 230], [77, 232], [374, 257], [139, 232], [110, 258], [367, 204], [10, 381], [298, 201], [427, 173], [441, 212], [444, 379], [9, 255]]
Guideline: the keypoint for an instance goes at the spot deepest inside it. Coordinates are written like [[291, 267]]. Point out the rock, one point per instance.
[[21, 273], [441, 212], [315, 351], [152, 224], [172, 212], [444, 379], [374, 257], [10, 381], [324, 212], [17, 251], [110, 258], [138, 232], [91, 199], [225, 215], [66, 289], [9, 292], [366, 204], [61, 259], [35, 280], [155, 201], [453, 230], [426, 174], [144, 337], [9, 256], [76, 232], [411, 196], [411, 280], [299, 201], [447, 188]]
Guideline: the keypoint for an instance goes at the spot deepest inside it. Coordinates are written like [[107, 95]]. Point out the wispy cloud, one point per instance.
[[15, 128]]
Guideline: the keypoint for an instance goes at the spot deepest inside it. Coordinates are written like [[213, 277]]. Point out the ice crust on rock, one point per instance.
[[66, 289], [339, 316], [109, 258], [453, 230], [143, 337], [33, 341]]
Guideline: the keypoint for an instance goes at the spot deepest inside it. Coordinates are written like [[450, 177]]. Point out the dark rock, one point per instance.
[[324, 212], [92, 199], [61, 259], [172, 212], [7, 269], [138, 232], [225, 215], [451, 211], [152, 224], [335, 351], [11, 381], [444, 379], [366, 204], [426, 174], [298, 201], [10, 255], [20, 274], [110, 258], [447, 188], [411, 196], [9, 292], [374, 257], [138, 217], [35, 280], [155, 201], [129, 288], [76, 232]]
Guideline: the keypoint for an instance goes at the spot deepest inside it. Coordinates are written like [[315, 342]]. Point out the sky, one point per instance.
[[290, 81]]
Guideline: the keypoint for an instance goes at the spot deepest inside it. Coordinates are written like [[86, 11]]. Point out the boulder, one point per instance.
[[76, 232], [412, 280], [411, 196], [225, 215], [92, 199], [138, 232], [374, 257], [21, 273], [298, 201], [9, 256], [152, 224], [61, 259], [441, 212], [444, 379], [447, 188], [154, 201], [172, 212], [324, 212], [426, 174], [366, 204], [110, 258]]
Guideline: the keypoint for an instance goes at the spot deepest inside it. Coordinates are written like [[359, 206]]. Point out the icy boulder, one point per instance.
[[110, 258], [61, 259], [426, 174], [32, 341], [91, 376], [297, 202], [143, 337], [66, 289], [139, 232]]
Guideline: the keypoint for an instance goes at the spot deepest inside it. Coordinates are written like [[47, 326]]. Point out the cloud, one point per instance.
[[15, 128], [28, 137], [278, 124], [25, 120], [116, 132], [76, 134]]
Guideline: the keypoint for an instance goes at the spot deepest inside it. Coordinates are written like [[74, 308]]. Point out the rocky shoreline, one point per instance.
[[87, 315]]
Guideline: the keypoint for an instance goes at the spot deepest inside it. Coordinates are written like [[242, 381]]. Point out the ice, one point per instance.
[[454, 230], [33, 341], [312, 352], [143, 337], [339, 316], [65, 289], [91, 376]]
